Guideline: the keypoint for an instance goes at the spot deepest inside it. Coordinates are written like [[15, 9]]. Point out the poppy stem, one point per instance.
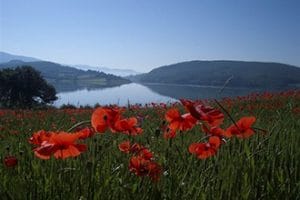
[[179, 153], [225, 84], [170, 143], [260, 129], [184, 176], [181, 137], [79, 124], [227, 113], [203, 138]]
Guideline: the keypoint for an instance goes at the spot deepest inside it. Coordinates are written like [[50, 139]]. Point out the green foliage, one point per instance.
[[216, 73], [265, 166], [24, 87]]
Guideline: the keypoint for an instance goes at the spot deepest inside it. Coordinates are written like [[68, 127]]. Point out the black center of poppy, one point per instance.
[[105, 117]]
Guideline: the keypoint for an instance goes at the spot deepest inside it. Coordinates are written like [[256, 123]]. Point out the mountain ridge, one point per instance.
[[66, 78], [219, 72], [114, 71], [7, 57]]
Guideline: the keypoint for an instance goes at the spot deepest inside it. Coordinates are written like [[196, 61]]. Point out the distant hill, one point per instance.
[[65, 78], [6, 57], [217, 73], [114, 71]]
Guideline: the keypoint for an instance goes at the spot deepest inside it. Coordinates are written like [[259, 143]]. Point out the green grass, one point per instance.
[[265, 166]]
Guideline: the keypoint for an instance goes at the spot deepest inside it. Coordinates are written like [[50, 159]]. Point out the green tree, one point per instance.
[[24, 87]]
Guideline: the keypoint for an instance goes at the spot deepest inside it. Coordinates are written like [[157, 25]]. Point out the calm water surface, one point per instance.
[[134, 93], [121, 95]]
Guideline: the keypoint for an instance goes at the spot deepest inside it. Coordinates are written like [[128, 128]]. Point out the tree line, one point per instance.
[[24, 87]]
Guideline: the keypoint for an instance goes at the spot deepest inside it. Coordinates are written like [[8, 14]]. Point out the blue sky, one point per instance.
[[144, 34]]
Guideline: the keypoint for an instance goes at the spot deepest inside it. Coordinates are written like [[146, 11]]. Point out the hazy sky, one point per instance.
[[143, 34]]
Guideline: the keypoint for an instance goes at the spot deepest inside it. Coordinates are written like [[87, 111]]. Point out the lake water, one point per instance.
[[134, 93], [120, 95]]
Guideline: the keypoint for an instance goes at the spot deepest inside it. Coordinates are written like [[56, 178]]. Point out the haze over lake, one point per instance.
[[135, 93]]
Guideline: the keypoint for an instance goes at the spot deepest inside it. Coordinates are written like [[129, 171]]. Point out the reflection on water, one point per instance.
[[199, 92], [122, 95], [134, 93]]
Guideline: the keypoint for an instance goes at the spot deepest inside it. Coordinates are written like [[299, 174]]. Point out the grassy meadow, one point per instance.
[[264, 166]]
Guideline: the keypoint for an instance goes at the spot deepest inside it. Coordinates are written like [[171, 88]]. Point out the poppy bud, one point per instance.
[[157, 132], [10, 161]]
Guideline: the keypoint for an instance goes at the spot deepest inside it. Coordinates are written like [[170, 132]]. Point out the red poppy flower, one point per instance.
[[39, 137], [242, 128], [212, 116], [85, 133], [190, 106], [62, 145], [124, 146], [205, 150], [66, 146], [179, 122], [128, 126], [103, 118], [214, 130], [10, 161], [169, 133], [138, 166], [145, 153], [45, 150], [143, 167], [154, 171], [135, 148]]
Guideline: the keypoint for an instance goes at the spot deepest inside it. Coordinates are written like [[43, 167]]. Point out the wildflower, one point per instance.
[[103, 118], [142, 162], [242, 128], [205, 150], [214, 130], [144, 167], [85, 133], [212, 116], [2, 113], [39, 137], [124, 146], [145, 153], [180, 122], [135, 148], [62, 145], [10, 161], [128, 126], [169, 133]]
